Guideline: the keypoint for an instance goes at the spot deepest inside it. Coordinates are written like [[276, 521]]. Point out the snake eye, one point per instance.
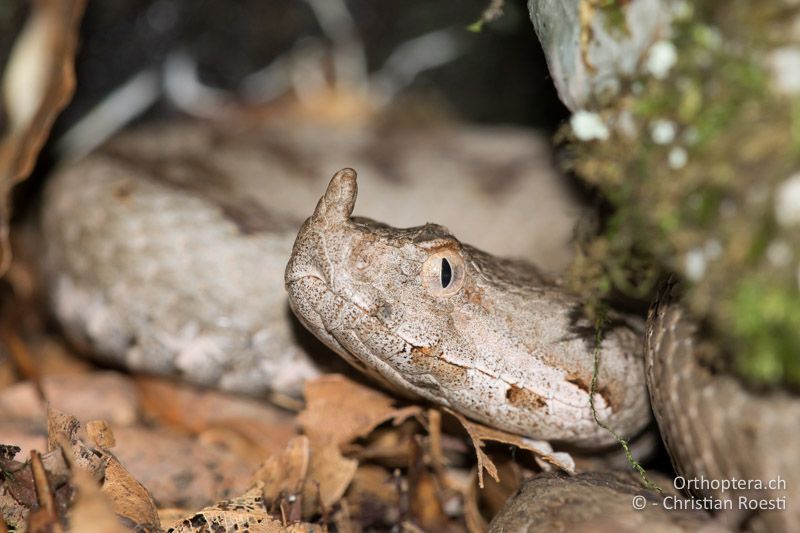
[[447, 273], [443, 273]]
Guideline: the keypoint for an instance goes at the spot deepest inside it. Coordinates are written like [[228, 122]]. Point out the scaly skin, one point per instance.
[[500, 344], [165, 249], [714, 427]]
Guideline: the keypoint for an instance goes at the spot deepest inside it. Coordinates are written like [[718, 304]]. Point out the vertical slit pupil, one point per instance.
[[447, 273]]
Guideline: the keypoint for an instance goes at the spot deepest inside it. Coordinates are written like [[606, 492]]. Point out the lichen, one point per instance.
[[694, 178]]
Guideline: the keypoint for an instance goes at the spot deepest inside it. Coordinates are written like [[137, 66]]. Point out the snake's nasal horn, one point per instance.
[[336, 205]]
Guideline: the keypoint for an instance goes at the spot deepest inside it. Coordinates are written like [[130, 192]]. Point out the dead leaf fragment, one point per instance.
[[342, 410], [101, 434], [424, 504], [338, 411], [130, 499], [255, 428], [541, 450], [92, 511], [245, 513], [283, 476]]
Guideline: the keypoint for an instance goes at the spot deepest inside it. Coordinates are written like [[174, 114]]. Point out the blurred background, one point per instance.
[[224, 45]]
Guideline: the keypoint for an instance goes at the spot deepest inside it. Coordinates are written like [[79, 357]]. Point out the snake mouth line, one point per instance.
[[390, 369]]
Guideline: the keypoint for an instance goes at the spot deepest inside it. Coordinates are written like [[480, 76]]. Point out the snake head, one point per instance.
[[434, 318], [371, 292]]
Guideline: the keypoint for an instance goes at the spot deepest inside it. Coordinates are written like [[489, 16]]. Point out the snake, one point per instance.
[[166, 251], [488, 337]]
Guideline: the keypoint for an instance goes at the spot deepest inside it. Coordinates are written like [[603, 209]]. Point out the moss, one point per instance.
[[613, 16], [795, 128], [766, 320], [741, 142]]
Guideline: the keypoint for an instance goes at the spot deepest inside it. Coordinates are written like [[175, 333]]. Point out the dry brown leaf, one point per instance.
[[245, 513], [541, 450], [329, 475], [342, 410], [373, 499], [101, 434], [179, 470], [92, 511], [337, 412], [38, 82], [424, 499], [62, 427], [39, 484], [130, 499], [252, 427], [435, 432], [16, 487], [495, 494], [284, 474], [44, 492], [388, 446]]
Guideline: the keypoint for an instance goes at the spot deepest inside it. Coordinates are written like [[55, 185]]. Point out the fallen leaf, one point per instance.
[[342, 410], [179, 470], [372, 497], [245, 513], [130, 499], [92, 511], [425, 503], [329, 475], [283, 475], [337, 412], [62, 427], [253, 427], [541, 450], [101, 434]]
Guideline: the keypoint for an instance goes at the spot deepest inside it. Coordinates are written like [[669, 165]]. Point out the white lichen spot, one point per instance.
[[677, 158], [662, 131], [695, 264], [588, 126], [784, 66], [779, 254], [787, 202], [662, 57]]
